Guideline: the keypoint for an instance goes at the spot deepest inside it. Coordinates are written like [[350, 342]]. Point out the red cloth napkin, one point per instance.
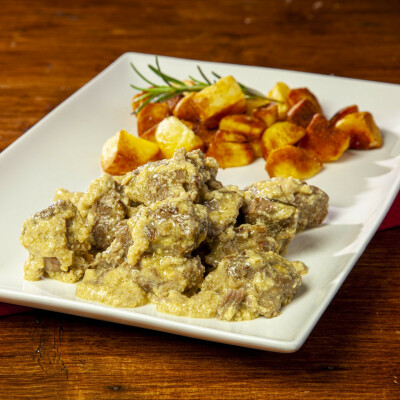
[[391, 220], [8, 309]]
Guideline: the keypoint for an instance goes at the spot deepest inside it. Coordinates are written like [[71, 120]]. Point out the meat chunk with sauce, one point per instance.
[[103, 206], [116, 254], [279, 218], [174, 226], [148, 236], [311, 201], [208, 169], [253, 283], [239, 239], [161, 274], [186, 173], [57, 241], [223, 207], [244, 286]]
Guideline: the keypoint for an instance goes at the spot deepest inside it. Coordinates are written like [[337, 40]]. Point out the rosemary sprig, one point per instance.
[[173, 87]]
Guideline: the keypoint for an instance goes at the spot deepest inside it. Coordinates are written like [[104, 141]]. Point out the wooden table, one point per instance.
[[48, 49]]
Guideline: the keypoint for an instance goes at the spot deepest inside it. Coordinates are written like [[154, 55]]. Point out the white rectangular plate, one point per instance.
[[63, 150]]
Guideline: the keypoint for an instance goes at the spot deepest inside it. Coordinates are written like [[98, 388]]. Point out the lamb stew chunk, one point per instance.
[[169, 233]]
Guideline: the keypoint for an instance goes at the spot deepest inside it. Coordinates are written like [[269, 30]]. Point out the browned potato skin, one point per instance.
[[185, 110], [364, 134], [151, 114], [342, 113], [328, 144], [230, 154], [302, 112], [251, 127], [150, 134], [189, 124], [280, 134], [173, 101], [293, 161], [268, 114], [226, 136], [207, 135], [299, 94]]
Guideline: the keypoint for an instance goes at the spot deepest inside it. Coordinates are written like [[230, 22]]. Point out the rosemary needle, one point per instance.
[[173, 87]]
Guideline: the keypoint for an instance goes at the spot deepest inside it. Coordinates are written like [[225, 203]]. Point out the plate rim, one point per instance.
[[140, 320]]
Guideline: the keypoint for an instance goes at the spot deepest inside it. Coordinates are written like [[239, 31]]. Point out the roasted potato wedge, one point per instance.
[[364, 134], [328, 144], [231, 154], [342, 113], [292, 161], [124, 152], [279, 135], [151, 114], [299, 94], [251, 127], [172, 134], [289, 130], [222, 98], [280, 92], [268, 114], [302, 113], [150, 134], [184, 109]]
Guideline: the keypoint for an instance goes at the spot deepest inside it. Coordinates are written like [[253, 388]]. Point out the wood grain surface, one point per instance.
[[49, 49]]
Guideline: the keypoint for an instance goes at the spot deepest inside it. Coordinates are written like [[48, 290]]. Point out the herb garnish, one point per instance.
[[173, 87]]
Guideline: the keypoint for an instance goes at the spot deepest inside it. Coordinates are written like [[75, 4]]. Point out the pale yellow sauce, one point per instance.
[[170, 234]]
